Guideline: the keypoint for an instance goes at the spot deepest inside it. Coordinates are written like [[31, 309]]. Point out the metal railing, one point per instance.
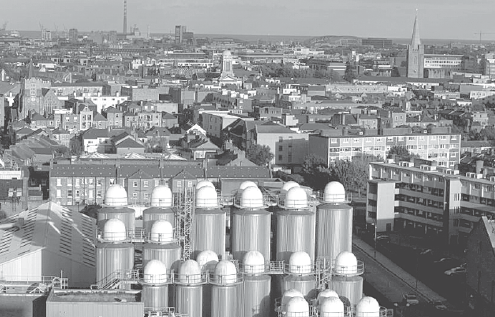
[[138, 235], [162, 312], [190, 279], [228, 279], [348, 270], [32, 285], [114, 279]]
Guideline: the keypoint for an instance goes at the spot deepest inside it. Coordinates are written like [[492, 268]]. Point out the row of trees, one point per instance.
[[286, 70], [353, 174]]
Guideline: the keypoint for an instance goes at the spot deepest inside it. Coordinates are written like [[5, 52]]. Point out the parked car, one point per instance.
[[455, 271], [439, 305], [442, 260], [383, 238], [427, 251], [410, 299]]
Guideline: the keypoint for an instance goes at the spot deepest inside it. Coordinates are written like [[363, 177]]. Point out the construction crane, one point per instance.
[[480, 33]]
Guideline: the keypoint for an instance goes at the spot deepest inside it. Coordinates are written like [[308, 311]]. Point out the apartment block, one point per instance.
[[442, 147], [428, 199]]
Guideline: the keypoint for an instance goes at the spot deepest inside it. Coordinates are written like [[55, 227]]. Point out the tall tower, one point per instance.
[[415, 54], [125, 17]]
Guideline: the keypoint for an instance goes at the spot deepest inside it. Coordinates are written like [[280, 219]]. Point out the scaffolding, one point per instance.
[[184, 209]]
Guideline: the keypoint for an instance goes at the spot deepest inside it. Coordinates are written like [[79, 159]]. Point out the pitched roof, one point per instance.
[[272, 127], [99, 117], [129, 143], [94, 133]]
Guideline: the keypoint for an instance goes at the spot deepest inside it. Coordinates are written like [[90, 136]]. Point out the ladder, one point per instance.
[[323, 273], [184, 208]]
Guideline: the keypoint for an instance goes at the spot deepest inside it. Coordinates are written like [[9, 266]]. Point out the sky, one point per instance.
[[438, 19]]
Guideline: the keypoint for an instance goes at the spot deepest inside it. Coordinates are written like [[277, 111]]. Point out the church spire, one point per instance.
[[415, 41]]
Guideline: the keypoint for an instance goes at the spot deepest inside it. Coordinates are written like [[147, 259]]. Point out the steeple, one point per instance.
[[415, 41]]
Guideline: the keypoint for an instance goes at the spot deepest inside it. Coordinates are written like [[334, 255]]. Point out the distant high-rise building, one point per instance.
[[179, 33], [73, 35], [415, 54], [125, 17]]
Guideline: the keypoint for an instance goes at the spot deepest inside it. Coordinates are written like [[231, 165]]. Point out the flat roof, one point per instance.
[[109, 296]]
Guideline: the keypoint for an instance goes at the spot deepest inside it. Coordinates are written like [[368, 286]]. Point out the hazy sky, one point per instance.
[[447, 19]]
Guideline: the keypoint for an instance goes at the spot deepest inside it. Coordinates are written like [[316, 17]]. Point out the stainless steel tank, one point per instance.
[[227, 300], [126, 215], [257, 296], [155, 297], [295, 232], [333, 230], [189, 300], [250, 231], [208, 232], [169, 254], [157, 213], [113, 257], [350, 287], [306, 284]]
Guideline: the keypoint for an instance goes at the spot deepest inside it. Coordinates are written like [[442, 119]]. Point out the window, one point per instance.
[[179, 184], [280, 157], [145, 183], [134, 184], [189, 184], [77, 193], [98, 194], [78, 181], [280, 148], [59, 193], [134, 195], [59, 182]]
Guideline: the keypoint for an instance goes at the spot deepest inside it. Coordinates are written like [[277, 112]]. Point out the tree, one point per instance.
[[259, 154], [350, 75], [401, 153]]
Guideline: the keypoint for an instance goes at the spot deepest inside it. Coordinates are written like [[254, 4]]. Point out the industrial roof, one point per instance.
[[52, 227]]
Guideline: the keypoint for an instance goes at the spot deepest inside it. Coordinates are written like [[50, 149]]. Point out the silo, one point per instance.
[[333, 223], [160, 245], [208, 230], [257, 285], [281, 306], [368, 307], [114, 253], [345, 277], [207, 261], [161, 207], [115, 208], [295, 226], [323, 295], [331, 307], [204, 183], [297, 307], [251, 225], [301, 275], [155, 286], [189, 289], [227, 298]]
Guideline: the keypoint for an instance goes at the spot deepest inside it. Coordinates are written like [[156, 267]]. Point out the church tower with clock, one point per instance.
[[415, 54]]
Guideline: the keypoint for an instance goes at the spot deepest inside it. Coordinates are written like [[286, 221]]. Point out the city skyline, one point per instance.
[[438, 19]]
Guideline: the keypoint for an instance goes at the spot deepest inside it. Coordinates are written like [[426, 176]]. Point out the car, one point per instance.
[[442, 260], [455, 271], [383, 238], [427, 251], [439, 305], [410, 299]]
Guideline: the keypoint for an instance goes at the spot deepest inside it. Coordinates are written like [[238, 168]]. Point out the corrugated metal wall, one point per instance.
[[295, 232], [250, 231], [208, 232], [333, 230]]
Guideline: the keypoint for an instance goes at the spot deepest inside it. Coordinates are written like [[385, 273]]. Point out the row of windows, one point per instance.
[[400, 138], [419, 213]]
